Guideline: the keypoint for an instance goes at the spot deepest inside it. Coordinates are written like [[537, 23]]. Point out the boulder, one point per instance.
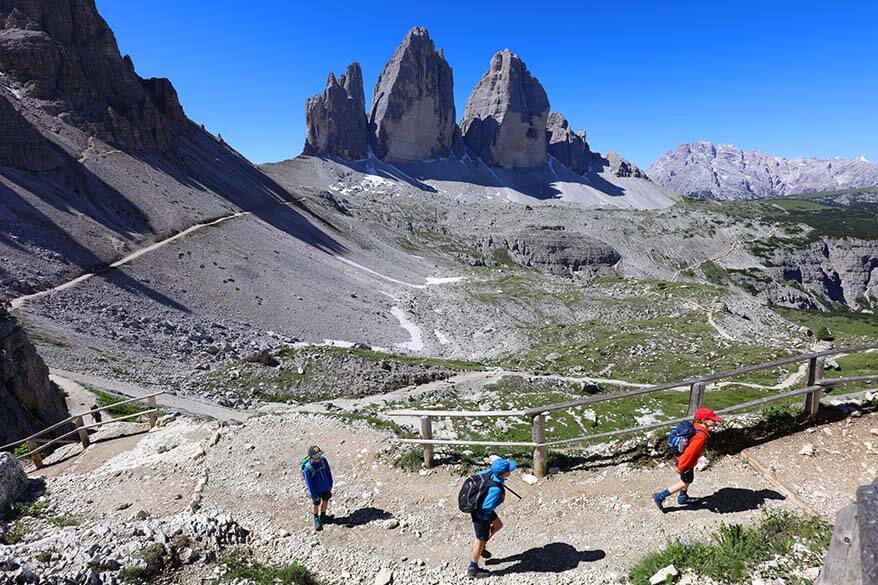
[[13, 480], [413, 115], [336, 120], [29, 402], [504, 122]]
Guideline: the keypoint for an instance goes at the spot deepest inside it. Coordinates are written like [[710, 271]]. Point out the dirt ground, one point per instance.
[[583, 526]]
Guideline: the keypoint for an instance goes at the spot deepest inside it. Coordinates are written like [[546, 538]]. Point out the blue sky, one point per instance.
[[788, 78]]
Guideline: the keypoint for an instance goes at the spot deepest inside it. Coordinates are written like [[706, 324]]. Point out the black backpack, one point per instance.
[[474, 490]]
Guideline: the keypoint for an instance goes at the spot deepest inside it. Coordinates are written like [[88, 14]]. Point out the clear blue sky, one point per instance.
[[788, 78]]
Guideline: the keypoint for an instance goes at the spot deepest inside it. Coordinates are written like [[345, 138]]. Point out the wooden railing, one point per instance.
[[80, 428], [852, 558], [536, 416]]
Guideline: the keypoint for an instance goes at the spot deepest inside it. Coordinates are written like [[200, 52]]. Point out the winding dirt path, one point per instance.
[[18, 302]]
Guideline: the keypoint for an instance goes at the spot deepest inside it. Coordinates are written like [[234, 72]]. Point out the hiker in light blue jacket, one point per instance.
[[486, 523], [318, 478]]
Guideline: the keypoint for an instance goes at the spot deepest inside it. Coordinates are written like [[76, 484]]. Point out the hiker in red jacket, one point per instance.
[[687, 442]]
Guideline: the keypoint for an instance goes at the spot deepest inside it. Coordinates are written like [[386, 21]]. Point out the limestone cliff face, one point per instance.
[[66, 58], [29, 402], [841, 270], [336, 119], [505, 118], [413, 115], [552, 250]]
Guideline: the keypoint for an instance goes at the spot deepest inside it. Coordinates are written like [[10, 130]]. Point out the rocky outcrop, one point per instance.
[[567, 146], [504, 122], [621, 167], [336, 120], [844, 271], [29, 402], [413, 114], [20, 145], [62, 54], [723, 171], [13, 480], [550, 249]]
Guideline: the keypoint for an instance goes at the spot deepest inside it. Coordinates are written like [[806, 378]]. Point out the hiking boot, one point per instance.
[[659, 501], [325, 518], [318, 525], [687, 501], [477, 573], [486, 554]]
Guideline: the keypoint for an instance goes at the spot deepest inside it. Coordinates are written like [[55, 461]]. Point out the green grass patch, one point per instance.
[[17, 533], [154, 558], [239, 567], [735, 550], [106, 399], [714, 274], [410, 460], [18, 511]]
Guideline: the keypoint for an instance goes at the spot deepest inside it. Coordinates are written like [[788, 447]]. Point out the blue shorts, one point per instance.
[[482, 527], [688, 476]]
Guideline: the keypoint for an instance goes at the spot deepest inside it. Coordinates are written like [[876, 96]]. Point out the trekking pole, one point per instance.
[[509, 489]]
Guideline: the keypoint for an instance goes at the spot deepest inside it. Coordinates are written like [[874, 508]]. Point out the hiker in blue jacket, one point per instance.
[[485, 521], [318, 478]]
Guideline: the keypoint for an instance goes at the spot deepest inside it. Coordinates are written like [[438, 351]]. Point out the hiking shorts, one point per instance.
[[482, 527], [321, 497], [688, 476]]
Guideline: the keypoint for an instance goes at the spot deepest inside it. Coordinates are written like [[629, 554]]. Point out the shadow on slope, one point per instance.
[[200, 161], [536, 183], [556, 557], [45, 233]]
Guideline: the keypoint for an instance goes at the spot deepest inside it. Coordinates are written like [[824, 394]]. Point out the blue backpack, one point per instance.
[[678, 438]]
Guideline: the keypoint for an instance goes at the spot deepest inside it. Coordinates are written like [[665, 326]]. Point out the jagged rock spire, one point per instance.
[[505, 117], [336, 120], [413, 115]]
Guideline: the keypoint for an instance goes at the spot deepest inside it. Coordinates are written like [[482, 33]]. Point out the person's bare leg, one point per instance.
[[680, 485], [478, 547], [496, 526], [316, 508]]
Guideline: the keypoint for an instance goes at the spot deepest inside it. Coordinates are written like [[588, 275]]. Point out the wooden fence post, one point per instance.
[[427, 433], [815, 375], [153, 416], [541, 451], [696, 397], [83, 433], [37, 458]]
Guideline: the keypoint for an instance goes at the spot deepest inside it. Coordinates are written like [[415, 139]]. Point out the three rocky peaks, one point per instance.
[[506, 122]]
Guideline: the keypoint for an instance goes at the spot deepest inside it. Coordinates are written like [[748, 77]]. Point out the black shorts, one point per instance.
[[325, 496], [688, 476], [482, 527]]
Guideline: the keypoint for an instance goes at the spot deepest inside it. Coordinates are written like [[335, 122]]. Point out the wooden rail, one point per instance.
[[80, 428], [852, 558], [536, 416]]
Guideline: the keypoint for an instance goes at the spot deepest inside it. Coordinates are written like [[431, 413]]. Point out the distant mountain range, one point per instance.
[[724, 171]]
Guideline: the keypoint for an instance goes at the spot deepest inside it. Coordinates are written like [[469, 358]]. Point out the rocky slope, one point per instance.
[[29, 402], [723, 171]]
